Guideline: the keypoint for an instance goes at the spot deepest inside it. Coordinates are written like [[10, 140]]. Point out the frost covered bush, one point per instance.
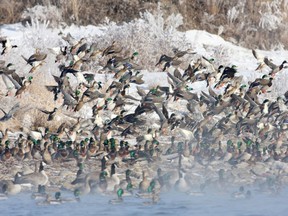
[[151, 36], [39, 35], [44, 13]]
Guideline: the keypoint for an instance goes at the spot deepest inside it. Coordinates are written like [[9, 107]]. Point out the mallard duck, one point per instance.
[[76, 197], [144, 184], [51, 114], [127, 183], [275, 68], [101, 184], [155, 197], [3, 196], [119, 198], [40, 194], [151, 191], [50, 201], [241, 194], [36, 58], [113, 48]]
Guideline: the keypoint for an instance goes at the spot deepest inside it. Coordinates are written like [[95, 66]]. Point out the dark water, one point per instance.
[[170, 204]]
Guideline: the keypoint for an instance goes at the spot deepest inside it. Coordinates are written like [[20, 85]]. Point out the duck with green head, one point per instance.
[[127, 183], [119, 198], [40, 194]]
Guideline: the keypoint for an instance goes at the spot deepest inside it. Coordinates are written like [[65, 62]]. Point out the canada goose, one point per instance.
[[85, 188], [36, 178], [9, 187], [46, 155], [112, 181], [181, 184]]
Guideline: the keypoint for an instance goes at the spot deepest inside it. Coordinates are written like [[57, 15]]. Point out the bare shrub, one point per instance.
[[151, 36], [44, 13], [10, 11]]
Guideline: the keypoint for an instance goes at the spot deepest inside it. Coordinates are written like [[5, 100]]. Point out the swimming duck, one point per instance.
[[119, 198], [40, 194], [76, 197], [101, 184], [154, 199], [50, 201], [127, 182], [3, 196], [152, 190], [241, 194], [9, 188]]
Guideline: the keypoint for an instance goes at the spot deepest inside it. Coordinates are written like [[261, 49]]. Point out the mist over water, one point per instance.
[[172, 203]]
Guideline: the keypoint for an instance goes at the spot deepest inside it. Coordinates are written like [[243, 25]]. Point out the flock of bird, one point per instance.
[[226, 127]]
